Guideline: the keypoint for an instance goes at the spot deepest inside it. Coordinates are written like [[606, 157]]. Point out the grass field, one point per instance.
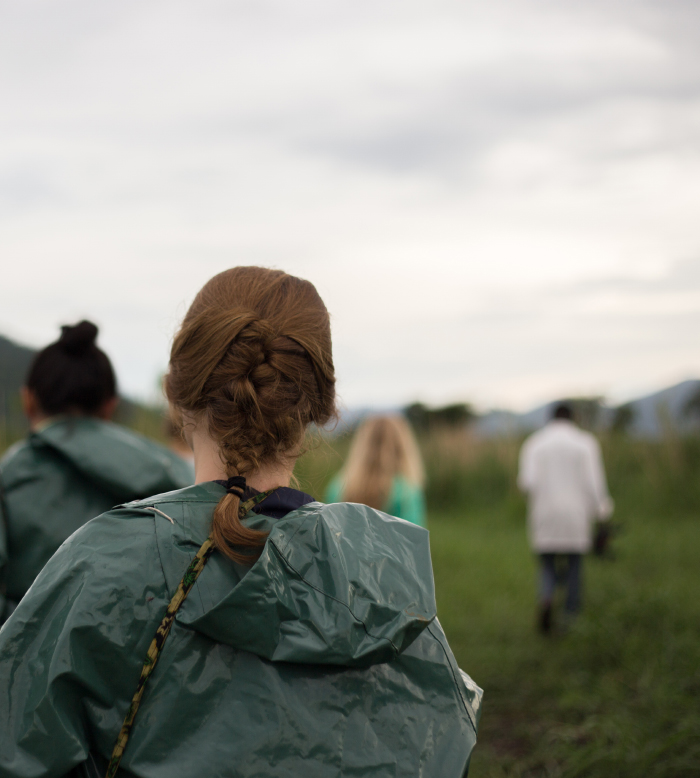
[[618, 693]]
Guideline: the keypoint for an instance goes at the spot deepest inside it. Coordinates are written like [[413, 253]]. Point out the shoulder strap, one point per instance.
[[184, 587]]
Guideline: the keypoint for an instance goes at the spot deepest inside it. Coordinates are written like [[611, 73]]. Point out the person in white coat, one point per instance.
[[562, 472]]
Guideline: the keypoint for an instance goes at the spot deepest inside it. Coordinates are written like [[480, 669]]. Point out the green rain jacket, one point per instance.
[[65, 474], [323, 659]]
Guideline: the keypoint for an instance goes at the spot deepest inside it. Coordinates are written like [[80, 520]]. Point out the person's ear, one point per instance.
[[188, 425], [107, 409], [30, 406]]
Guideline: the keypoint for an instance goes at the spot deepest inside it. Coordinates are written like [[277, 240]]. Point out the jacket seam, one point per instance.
[[290, 539], [187, 522], [164, 502], [160, 560], [168, 595], [4, 523], [467, 707], [330, 597]]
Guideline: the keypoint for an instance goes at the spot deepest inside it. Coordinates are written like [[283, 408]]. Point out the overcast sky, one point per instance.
[[499, 201]]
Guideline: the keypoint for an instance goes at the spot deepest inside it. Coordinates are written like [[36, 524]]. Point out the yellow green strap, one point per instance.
[[184, 587]]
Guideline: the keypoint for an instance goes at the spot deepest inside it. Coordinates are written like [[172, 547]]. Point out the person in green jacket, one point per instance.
[[383, 470], [75, 464], [238, 627]]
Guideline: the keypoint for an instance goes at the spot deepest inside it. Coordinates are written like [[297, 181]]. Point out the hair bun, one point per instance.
[[76, 339]]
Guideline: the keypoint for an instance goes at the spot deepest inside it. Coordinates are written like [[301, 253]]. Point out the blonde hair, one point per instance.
[[383, 447], [253, 360]]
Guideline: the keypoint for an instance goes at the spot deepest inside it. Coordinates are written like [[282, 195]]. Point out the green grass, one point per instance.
[[616, 694]]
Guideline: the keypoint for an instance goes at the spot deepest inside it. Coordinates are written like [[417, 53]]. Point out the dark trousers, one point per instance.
[[561, 569]]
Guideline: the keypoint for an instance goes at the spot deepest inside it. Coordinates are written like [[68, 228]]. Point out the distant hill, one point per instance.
[[648, 416], [14, 365], [657, 412]]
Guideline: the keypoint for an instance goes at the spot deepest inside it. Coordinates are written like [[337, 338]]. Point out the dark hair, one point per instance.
[[253, 361], [563, 411], [72, 375]]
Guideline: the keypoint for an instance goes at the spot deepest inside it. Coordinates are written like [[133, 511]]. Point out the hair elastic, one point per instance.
[[236, 485]]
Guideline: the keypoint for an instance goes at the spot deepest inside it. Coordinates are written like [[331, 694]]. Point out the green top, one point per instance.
[[406, 500], [64, 474], [322, 659]]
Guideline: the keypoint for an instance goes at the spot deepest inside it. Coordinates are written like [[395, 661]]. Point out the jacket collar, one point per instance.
[[279, 503]]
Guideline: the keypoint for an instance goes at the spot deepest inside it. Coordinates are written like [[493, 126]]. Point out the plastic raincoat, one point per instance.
[[323, 659], [66, 473]]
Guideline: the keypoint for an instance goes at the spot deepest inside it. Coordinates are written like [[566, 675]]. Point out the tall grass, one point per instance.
[[616, 695]]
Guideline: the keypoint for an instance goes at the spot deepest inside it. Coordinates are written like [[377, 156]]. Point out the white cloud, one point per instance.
[[456, 179]]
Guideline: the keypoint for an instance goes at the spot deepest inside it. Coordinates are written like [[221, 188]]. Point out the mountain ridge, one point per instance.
[[648, 416]]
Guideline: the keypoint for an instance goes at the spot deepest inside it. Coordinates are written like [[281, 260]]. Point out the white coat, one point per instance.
[[561, 469]]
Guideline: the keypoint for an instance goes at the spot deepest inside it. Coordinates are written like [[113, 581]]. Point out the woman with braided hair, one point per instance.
[[238, 627]]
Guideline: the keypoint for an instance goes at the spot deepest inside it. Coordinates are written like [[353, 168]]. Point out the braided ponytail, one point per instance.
[[253, 361]]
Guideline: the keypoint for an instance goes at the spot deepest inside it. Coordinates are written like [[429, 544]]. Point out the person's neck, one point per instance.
[[208, 466]]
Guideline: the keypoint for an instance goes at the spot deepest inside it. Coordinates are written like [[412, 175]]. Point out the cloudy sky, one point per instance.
[[498, 201]]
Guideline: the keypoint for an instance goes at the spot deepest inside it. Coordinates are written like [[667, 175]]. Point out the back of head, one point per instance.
[[72, 375], [383, 448], [253, 361], [563, 411]]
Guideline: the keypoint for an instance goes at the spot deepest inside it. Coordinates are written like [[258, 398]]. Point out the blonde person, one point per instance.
[[383, 470], [238, 627]]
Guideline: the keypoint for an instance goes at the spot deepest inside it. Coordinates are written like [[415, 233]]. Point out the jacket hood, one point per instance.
[[114, 457], [338, 584]]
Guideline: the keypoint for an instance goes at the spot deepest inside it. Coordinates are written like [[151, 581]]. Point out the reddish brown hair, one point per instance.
[[253, 361]]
